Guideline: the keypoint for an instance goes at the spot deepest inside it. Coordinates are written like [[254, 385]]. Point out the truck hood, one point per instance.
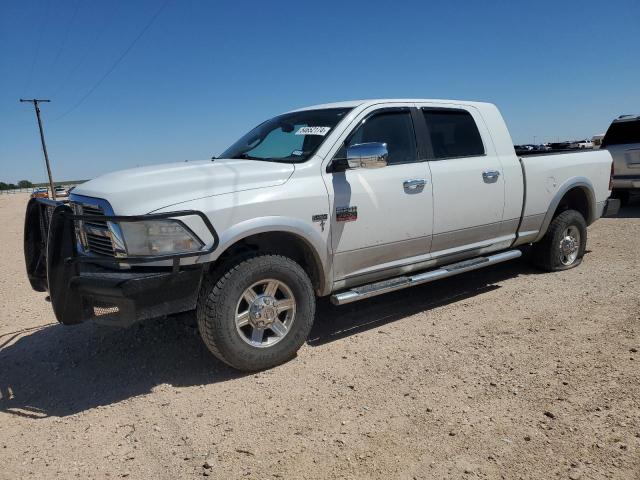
[[142, 190]]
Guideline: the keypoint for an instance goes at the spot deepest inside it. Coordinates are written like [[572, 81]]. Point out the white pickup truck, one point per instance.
[[350, 199]]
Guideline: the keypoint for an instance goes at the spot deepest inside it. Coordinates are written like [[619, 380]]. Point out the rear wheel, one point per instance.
[[563, 245], [257, 314]]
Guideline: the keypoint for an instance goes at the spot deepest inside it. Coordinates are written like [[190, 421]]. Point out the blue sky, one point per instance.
[[205, 72]]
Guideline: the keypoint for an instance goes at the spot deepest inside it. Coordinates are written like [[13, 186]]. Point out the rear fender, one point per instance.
[[578, 182]]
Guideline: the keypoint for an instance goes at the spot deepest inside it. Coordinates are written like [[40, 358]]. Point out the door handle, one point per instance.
[[490, 176], [414, 184]]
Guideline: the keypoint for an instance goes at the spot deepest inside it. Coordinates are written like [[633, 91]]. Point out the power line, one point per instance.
[[66, 34], [38, 44], [116, 63], [90, 47]]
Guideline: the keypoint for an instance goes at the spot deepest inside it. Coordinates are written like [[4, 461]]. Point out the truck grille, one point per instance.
[[99, 244], [96, 235], [94, 210]]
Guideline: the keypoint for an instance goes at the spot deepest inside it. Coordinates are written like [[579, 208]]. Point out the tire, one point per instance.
[[228, 321], [563, 245]]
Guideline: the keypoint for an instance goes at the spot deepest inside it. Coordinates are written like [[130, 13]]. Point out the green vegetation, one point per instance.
[[7, 186]]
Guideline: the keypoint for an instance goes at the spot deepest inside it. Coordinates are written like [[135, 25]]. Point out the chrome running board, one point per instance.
[[398, 283]]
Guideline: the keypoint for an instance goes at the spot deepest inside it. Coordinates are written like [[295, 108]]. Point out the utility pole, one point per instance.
[[35, 102]]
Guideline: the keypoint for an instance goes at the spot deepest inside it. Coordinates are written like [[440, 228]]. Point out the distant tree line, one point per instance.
[[13, 186]]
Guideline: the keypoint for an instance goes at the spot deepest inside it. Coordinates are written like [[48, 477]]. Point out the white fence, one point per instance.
[[17, 190], [66, 186]]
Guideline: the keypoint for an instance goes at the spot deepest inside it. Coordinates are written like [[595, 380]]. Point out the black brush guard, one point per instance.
[[84, 287]]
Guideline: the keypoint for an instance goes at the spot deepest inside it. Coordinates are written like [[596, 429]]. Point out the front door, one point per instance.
[[381, 218]]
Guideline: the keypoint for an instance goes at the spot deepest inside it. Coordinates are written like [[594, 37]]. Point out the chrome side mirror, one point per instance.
[[367, 155]]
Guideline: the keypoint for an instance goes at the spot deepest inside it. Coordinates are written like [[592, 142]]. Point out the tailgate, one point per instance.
[[626, 159]]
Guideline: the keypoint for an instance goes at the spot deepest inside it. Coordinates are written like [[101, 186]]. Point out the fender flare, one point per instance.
[[575, 182], [279, 224]]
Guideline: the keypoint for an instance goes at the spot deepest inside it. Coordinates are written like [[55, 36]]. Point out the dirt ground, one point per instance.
[[500, 373]]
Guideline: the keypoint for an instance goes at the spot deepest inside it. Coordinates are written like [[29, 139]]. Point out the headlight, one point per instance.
[[157, 237]]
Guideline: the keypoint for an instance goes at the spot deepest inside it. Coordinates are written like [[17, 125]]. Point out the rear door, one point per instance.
[[467, 179]]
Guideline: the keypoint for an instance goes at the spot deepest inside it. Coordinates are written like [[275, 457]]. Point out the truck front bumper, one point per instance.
[[83, 288], [123, 298]]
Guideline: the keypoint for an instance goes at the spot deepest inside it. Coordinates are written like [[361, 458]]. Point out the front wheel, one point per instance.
[[258, 314], [564, 244]]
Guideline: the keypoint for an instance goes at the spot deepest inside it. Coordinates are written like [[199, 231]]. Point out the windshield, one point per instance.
[[291, 137]]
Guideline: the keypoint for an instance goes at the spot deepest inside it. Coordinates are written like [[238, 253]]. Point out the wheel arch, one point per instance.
[[575, 194], [288, 237]]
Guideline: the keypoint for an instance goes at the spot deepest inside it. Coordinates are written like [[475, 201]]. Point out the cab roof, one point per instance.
[[375, 101]]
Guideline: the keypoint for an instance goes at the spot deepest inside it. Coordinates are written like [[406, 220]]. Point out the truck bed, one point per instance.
[[547, 175], [528, 153]]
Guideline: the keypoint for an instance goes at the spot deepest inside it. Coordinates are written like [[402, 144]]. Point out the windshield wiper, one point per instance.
[[244, 156]]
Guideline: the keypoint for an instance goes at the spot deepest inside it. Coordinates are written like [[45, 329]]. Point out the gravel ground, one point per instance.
[[500, 373]]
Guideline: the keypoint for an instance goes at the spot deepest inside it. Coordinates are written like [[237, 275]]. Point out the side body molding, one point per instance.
[[576, 182]]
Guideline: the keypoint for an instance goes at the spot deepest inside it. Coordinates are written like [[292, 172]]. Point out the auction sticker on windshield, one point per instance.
[[313, 131]]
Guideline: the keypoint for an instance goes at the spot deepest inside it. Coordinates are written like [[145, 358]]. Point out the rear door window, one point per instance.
[[453, 133]]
